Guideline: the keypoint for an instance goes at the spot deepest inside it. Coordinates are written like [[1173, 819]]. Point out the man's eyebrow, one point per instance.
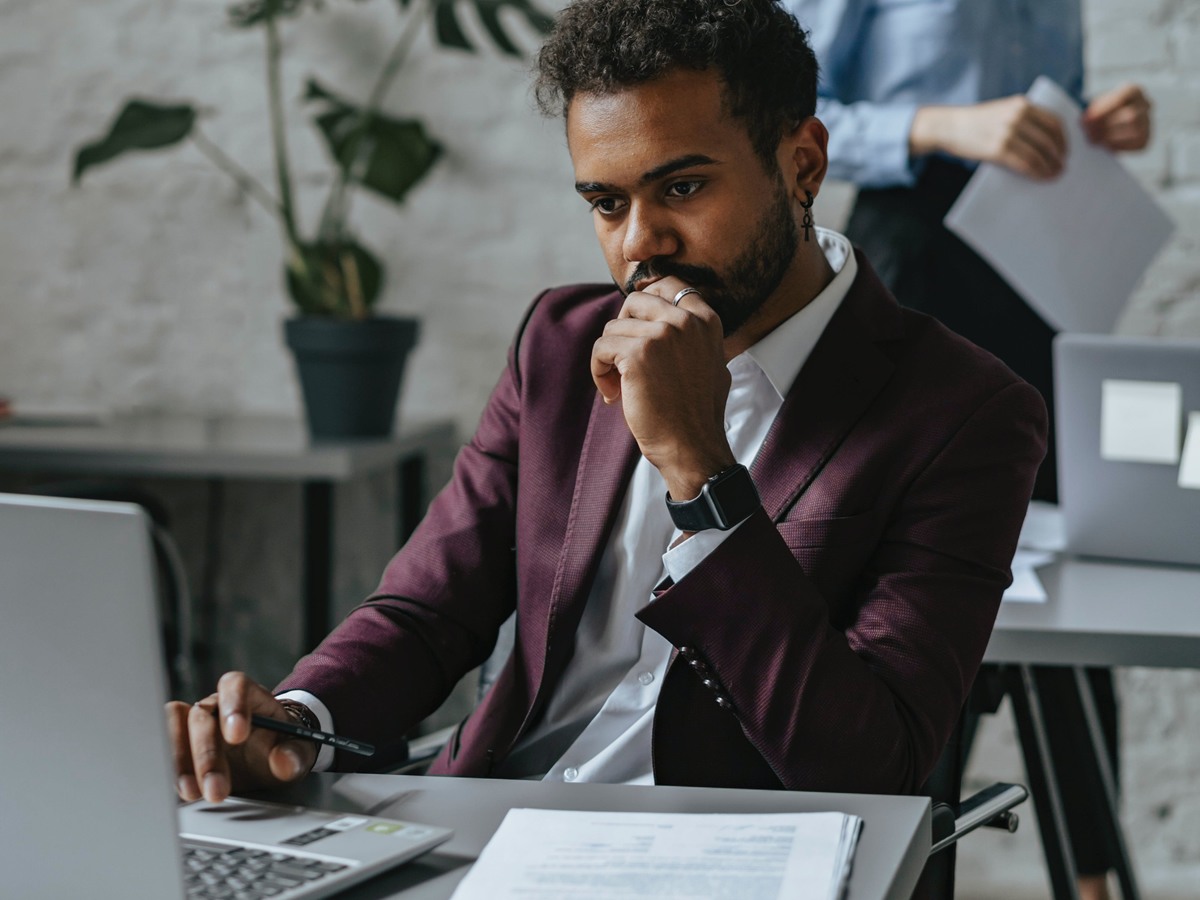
[[594, 187], [667, 168], [682, 162]]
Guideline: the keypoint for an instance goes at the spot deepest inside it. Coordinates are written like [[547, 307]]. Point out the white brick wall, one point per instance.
[[156, 285]]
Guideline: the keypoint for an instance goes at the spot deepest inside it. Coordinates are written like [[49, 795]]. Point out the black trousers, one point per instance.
[[931, 270]]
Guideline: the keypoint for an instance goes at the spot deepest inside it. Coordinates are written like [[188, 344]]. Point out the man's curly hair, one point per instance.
[[756, 46]]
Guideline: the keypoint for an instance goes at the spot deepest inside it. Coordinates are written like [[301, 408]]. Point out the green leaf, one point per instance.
[[399, 152], [341, 280], [141, 125], [450, 33], [248, 13]]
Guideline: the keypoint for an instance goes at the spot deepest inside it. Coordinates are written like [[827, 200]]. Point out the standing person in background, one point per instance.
[[915, 95]]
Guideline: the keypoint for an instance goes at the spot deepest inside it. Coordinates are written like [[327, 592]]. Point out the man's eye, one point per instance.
[[683, 188], [606, 205]]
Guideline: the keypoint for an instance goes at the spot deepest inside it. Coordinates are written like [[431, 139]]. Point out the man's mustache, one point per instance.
[[695, 276]]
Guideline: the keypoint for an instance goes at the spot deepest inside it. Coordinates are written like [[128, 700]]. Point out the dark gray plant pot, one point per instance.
[[350, 372]]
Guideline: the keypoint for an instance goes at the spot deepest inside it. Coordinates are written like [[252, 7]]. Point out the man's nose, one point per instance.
[[647, 235]]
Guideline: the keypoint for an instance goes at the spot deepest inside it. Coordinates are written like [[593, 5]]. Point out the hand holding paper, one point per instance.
[[1074, 247]]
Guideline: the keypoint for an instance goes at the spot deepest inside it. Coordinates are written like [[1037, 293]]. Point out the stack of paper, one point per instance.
[[543, 853]]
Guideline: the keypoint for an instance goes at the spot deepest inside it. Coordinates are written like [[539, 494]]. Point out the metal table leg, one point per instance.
[[1102, 770], [318, 561], [1043, 783]]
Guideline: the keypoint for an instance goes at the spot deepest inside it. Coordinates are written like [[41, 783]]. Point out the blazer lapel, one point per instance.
[[606, 465], [834, 388]]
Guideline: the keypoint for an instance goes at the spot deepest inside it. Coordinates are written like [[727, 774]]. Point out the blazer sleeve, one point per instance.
[[870, 708], [438, 609]]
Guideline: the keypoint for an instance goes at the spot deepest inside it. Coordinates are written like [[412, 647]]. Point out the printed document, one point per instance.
[[539, 854], [1074, 247], [1043, 534]]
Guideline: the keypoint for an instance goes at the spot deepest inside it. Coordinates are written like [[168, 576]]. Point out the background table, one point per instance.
[[891, 852], [1098, 613], [238, 447]]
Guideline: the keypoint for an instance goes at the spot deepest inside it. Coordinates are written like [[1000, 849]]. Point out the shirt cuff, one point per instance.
[[868, 143], [684, 557], [321, 711], [888, 138]]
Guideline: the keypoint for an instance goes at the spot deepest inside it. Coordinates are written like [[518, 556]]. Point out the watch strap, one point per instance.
[[725, 500]]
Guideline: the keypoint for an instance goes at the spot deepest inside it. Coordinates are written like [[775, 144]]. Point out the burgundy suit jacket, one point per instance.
[[840, 626]]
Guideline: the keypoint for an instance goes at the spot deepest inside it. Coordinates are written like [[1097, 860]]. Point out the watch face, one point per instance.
[[733, 496]]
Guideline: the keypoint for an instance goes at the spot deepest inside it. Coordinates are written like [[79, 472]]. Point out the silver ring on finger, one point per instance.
[[683, 294]]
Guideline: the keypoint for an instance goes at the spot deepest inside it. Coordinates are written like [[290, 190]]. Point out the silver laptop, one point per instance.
[[87, 807], [1123, 407]]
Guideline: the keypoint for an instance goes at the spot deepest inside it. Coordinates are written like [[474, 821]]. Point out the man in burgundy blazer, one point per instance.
[[844, 621], [829, 642]]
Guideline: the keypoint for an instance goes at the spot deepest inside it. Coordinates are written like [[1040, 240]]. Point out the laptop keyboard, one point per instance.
[[244, 874]]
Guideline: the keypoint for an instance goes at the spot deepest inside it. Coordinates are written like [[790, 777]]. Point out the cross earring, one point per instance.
[[808, 219]]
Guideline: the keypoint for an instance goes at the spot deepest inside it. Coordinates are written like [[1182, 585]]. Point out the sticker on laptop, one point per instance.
[[409, 831], [384, 827]]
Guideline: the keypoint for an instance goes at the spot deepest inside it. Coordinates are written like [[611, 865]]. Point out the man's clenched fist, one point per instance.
[[666, 366]]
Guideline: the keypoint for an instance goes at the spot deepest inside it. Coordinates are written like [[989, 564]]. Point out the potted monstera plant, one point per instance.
[[350, 361]]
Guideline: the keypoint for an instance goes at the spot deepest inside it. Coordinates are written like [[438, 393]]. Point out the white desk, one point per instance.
[[1104, 613], [891, 853], [1098, 613]]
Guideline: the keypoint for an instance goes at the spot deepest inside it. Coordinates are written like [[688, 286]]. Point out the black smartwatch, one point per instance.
[[726, 499]]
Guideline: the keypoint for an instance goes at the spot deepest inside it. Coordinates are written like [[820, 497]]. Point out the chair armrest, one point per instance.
[[989, 807], [423, 750]]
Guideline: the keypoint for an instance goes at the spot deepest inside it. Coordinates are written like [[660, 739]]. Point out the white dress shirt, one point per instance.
[[597, 724]]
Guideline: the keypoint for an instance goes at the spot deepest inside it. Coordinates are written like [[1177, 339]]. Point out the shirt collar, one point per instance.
[[782, 353]]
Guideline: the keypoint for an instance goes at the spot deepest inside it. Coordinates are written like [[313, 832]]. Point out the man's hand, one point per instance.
[[666, 366], [1011, 132], [216, 751], [1119, 119]]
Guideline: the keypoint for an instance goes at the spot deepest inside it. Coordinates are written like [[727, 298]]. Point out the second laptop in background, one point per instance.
[[1128, 462]]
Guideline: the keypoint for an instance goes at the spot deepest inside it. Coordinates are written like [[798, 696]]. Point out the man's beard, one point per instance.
[[753, 276]]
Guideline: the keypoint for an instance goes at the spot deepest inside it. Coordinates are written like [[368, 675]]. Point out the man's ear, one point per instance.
[[804, 159]]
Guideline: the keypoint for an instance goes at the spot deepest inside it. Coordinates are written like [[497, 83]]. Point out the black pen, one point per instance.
[[321, 737]]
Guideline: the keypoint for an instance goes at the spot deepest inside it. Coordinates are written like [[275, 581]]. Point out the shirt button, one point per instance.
[[570, 773], [646, 678]]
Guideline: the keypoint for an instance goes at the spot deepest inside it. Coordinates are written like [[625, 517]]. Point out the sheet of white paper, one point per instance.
[[1074, 247], [539, 854], [1044, 528], [1189, 467], [1139, 421], [1026, 586]]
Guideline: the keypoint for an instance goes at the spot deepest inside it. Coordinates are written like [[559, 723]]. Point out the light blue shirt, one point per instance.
[[881, 59]]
